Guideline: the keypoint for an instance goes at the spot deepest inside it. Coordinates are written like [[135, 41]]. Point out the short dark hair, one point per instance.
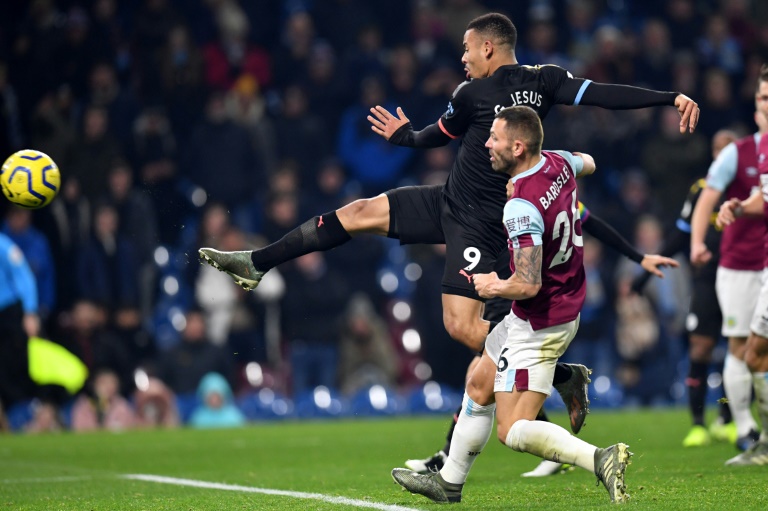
[[496, 26], [762, 77], [525, 123]]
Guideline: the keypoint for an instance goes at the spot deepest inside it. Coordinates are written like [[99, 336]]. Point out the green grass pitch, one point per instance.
[[352, 459]]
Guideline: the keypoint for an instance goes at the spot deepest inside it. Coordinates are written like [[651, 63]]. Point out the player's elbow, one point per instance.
[[589, 165], [529, 290]]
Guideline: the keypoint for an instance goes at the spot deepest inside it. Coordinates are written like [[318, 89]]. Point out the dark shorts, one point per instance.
[[704, 316], [423, 214]]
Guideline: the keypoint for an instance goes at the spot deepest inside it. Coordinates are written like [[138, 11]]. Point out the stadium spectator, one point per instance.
[[156, 405], [217, 408], [376, 164], [93, 153], [182, 368], [312, 333], [102, 406], [84, 330], [220, 154], [107, 266], [45, 419], [366, 354]]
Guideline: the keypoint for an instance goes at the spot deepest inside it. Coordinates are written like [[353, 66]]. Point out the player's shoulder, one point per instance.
[[466, 86], [548, 70]]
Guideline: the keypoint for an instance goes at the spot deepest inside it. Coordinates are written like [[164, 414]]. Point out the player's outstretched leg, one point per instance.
[[431, 486], [574, 392], [237, 264], [320, 233]]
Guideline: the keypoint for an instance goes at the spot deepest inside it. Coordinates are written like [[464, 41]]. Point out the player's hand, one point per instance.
[[31, 324], [384, 123], [729, 212], [689, 113], [485, 284], [652, 262], [700, 254]]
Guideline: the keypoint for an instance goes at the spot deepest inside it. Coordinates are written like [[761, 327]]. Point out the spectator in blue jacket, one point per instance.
[[217, 410]]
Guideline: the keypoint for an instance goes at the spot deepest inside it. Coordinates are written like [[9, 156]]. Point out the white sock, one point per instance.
[[472, 431], [737, 381], [760, 381], [551, 442]]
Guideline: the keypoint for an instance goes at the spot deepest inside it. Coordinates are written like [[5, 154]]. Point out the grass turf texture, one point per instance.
[[353, 459]]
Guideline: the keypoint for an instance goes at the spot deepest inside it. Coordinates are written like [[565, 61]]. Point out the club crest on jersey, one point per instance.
[[751, 171], [554, 189]]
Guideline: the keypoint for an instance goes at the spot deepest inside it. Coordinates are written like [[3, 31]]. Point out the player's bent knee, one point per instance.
[[366, 215], [511, 434]]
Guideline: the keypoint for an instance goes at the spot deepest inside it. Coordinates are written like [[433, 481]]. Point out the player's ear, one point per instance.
[[488, 49]]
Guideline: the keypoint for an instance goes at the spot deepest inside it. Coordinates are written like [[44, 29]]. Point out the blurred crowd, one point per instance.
[[225, 123]]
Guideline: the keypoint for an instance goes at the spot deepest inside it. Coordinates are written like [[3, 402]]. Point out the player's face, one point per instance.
[[761, 98], [500, 147], [474, 55]]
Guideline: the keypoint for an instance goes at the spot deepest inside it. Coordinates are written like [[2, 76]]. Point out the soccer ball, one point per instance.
[[30, 179]]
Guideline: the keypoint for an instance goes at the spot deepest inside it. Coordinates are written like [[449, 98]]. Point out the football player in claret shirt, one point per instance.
[[734, 175], [704, 319], [756, 353], [548, 288]]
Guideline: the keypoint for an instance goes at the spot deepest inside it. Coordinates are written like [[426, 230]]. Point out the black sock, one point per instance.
[[725, 410], [563, 373], [697, 390], [320, 233], [449, 436]]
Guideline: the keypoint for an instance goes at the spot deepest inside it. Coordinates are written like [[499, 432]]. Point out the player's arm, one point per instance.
[[581, 164], [398, 130], [579, 91], [735, 208], [700, 253], [720, 175], [609, 237], [523, 284]]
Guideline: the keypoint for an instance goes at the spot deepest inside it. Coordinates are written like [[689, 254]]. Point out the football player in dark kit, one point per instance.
[[465, 213]]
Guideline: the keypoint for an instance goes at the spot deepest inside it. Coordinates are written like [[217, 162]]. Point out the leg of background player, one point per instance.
[[756, 357], [700, 353], [737, 381]]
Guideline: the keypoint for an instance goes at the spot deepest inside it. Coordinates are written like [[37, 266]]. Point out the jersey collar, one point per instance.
[[530, 171]]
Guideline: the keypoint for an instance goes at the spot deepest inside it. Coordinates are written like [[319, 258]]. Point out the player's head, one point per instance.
[[516, 135], [488, 42], [721, 139], [761, 99]]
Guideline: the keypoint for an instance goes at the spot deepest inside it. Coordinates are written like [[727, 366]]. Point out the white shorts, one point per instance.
[[737, 292], [759, 324], [525, 359]]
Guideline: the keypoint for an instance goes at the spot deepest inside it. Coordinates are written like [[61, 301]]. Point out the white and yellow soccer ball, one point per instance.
[[30, 179]]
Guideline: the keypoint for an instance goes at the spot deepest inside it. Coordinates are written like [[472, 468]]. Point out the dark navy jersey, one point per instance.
[[472, 184], [714, 233]]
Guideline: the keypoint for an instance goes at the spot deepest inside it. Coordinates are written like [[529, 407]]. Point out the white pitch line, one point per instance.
[[267, 491], [60, 479]]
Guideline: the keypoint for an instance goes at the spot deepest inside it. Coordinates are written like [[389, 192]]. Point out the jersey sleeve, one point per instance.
[[22, 277], [561, 85], [460, 113], [576, 163], [683, 222], [524, 223], [723, 169]]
